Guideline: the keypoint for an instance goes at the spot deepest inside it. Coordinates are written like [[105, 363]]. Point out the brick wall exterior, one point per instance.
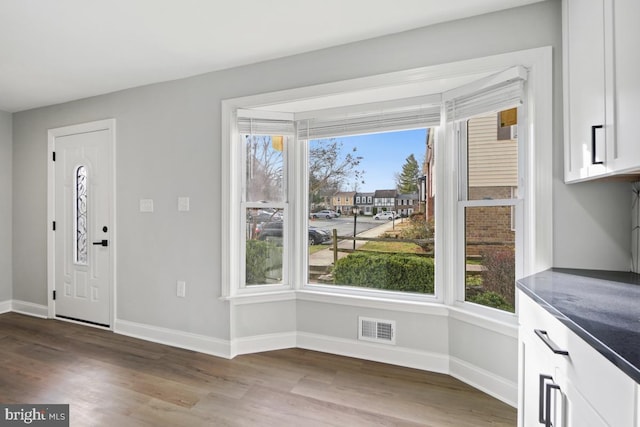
[[489, 224]]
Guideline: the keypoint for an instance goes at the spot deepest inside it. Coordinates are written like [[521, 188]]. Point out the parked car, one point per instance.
[[325, 213], [318, 236], [273, 231], [388, 215], [266, 216]]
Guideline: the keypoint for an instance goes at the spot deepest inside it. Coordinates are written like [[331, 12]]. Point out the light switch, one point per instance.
[[181, 288], [146, 205], [183, 204]]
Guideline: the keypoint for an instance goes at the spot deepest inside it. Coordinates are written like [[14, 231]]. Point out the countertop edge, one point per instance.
[[593, 341]]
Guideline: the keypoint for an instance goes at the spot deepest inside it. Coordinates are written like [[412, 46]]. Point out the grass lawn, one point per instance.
[[315, 248]]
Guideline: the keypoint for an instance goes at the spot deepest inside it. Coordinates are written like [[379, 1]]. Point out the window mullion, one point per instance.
[[490, 202]]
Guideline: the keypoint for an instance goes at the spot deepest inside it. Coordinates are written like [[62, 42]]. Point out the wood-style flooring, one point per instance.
[[114, 380]]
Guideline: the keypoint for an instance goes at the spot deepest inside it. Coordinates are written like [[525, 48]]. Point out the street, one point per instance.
[[344, 224]]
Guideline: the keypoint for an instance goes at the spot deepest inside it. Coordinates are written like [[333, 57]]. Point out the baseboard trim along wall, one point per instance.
[[259, 343], [394, 355], [174, 338], [6, 306], [29, 308], [488, 382]]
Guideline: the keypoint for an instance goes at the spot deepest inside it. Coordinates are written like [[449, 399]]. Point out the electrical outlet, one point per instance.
[[181, 288], [146, 205]]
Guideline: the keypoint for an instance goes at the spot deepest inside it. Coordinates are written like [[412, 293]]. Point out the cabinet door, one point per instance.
[[586, 100], [578, 412], [537, 372], [637, 405], [626, 153], [538, 364]]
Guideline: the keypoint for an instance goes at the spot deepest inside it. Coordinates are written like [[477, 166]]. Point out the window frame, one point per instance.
[[517, 204], [457, 133], [386, 204], [237, 205], [537, 235]]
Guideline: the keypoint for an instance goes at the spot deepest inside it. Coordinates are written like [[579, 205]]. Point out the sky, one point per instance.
[[384, 154]]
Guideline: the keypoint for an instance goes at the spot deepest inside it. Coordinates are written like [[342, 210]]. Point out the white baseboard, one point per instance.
[[174, 338], [30, 309], [5, 306], [259, 343], [488, 382], [394, 355]]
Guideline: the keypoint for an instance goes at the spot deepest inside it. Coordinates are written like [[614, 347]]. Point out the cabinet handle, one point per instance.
[[545, 338], [547, 412], [541, 397], [593, 144]]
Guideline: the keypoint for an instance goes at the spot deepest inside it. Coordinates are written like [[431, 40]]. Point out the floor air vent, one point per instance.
[[377, 330]]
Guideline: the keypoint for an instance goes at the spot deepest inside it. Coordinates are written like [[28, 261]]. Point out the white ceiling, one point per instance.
[[53, 51]]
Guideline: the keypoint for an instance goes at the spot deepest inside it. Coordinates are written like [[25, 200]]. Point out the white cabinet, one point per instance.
[[585, 89], [637, 405], [576, 389], [627, 85], [601, 88]]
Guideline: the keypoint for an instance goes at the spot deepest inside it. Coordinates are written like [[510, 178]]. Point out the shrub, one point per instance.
[[261, 258], [419, 228], [397, 272], [498, 274]]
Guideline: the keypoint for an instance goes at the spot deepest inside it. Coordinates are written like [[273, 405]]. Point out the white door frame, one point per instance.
[[52, 134]]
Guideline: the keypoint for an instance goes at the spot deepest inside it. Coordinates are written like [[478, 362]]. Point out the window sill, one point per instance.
[[260, 297], [382, 302]]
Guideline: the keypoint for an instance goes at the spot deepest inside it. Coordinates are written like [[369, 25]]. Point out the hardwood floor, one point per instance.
[[114, 380]]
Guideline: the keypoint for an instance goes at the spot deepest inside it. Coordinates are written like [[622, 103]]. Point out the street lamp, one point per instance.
[[354, 211]]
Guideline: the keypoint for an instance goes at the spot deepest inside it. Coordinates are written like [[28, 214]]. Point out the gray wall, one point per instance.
[[168, 145], [5, 206]]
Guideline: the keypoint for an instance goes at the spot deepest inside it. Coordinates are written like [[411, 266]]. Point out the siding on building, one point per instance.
[[492, 163], [365, 202], [493, 174], [343, 201]]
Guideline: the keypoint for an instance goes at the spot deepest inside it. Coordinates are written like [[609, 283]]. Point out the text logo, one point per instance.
[[34, 415]]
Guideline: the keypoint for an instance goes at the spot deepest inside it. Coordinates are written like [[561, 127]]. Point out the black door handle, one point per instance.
[[541, 397], [545, 338], [547, 412], [101, 243], [593, 145]]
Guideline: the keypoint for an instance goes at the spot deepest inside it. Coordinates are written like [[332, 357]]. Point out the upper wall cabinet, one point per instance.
[[601, 92]]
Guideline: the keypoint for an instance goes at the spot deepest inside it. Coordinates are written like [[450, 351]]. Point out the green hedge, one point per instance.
[[262, 257], [397, 272]]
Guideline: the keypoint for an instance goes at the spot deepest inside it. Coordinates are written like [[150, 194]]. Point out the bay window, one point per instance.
[[474, 201]]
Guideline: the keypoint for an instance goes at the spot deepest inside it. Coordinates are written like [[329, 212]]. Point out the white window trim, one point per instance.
[[458, 132], [517, 204], [537, 161]]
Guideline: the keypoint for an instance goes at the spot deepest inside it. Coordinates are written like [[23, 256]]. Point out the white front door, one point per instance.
[[83, 221]]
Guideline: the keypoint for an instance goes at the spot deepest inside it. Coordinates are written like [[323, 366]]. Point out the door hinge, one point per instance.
[[54, 156], [54, 226], [54, 295]]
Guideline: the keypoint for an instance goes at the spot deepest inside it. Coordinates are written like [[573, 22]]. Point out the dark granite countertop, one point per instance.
[[602, 307]]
